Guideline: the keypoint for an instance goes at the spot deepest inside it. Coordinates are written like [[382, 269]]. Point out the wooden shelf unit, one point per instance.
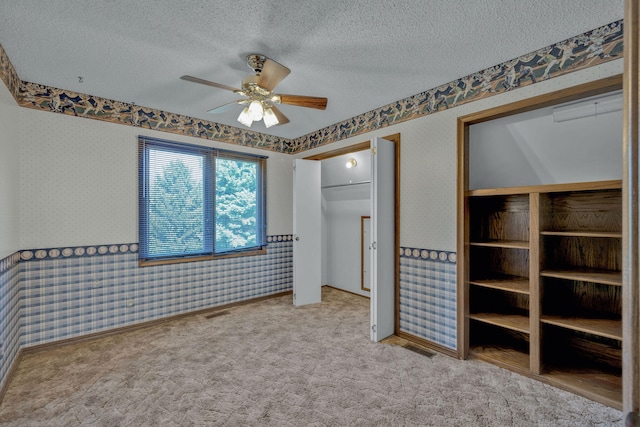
[[545, 276], [505, 283]]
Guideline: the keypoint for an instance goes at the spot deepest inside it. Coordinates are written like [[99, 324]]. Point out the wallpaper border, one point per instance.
[[586, 50], [63, 252], [428, 255]]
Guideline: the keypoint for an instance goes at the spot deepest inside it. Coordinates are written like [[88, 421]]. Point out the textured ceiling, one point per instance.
[[361, 55]]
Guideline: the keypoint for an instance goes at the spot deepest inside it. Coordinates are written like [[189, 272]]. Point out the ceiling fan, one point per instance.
[[258, 89]]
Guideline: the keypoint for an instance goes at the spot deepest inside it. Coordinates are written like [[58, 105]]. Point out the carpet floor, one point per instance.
[[271, 364]]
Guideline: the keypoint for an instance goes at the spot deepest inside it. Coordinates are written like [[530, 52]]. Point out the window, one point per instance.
[[199, 202]]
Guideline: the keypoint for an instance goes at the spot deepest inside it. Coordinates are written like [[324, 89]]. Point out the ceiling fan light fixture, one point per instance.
[[270, 118], [245, 117], [255, 110]]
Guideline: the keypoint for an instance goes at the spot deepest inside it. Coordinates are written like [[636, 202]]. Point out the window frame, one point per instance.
[[210, 155]]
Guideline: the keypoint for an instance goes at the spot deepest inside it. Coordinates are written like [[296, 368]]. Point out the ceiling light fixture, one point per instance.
[[351, 163], [258, 110], [245, 117], [269, 118]]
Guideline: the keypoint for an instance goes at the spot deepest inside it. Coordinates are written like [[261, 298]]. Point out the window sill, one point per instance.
[[166, 261]]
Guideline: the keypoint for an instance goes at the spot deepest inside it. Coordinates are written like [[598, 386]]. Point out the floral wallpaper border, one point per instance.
[[592, 48]]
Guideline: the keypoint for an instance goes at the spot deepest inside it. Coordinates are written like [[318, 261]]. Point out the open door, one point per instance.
[[382, 238], [307, 237]]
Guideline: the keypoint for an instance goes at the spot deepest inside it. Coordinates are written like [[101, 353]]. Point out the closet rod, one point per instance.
[[346, 185]]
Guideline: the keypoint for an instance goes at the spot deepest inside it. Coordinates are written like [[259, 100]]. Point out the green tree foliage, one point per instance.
[[175, 212], [236, 208]]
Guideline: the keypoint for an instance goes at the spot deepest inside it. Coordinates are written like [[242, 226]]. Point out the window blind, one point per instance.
[[198, 201]]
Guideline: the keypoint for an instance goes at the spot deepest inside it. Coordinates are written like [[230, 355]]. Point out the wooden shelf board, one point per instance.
[[502, 356], [507, 283], [549, 188], [605, 277], [514, 322], [608, 328], [515, 244], [593, 384], [611, 234]]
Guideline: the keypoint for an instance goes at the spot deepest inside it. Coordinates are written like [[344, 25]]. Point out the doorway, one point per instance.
[[384, 189]]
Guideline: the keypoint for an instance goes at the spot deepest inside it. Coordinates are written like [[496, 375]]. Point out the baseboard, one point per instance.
[[344, 290], [147, 324], [11, 373]]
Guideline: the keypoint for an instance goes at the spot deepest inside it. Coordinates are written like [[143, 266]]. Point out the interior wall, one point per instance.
[[428, 157], [428, 211], [9, 174], [10, 290], [343, 269], [343, 206], [81, 178], [536, 150], [79, 271]]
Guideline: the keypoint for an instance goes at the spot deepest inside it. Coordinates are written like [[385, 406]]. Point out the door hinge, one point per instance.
[[374, 150], [373, 245], [373, 328]]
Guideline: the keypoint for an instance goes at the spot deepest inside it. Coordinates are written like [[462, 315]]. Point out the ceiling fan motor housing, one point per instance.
[[255, 61]]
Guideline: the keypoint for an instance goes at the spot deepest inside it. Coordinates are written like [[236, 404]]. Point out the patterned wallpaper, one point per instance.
[[585, 50]]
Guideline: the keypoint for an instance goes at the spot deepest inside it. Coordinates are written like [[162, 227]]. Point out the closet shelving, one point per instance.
[[544, 284]]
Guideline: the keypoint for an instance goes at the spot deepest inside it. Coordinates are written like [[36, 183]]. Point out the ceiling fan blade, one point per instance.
[[208, 83], [225, 107], [272, 73], [282, 119], [304, 101]]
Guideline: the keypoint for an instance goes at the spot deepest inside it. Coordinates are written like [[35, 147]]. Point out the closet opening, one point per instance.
[[359, 224]]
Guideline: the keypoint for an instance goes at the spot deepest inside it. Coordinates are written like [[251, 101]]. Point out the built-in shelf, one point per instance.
[[503, 356], [513, 244], [515, 322], [505, 283], [608, 328], [605, 277], [594, 384], [602, 234], [548, 249]]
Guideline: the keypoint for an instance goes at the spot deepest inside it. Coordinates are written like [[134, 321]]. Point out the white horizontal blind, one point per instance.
[[196, 201]]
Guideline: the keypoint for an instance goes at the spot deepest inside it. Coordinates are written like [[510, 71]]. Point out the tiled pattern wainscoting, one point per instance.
[[53, 294], [428, 295], [59, 293], [10, 313]]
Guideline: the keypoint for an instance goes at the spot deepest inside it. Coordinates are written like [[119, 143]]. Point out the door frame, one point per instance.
[[366, 145], [573, 93], [630, 216]]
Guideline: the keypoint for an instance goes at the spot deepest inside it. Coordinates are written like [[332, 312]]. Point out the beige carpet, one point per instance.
[[272, 364]]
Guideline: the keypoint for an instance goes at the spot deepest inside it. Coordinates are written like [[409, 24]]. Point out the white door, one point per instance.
[[307, 238], [382, 238]]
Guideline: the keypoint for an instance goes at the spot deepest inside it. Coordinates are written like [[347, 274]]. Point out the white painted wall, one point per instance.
[[9, 174], [343, 243], [428, 159], [79, 181], [335, 172], [342, 208], [531, 149]]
